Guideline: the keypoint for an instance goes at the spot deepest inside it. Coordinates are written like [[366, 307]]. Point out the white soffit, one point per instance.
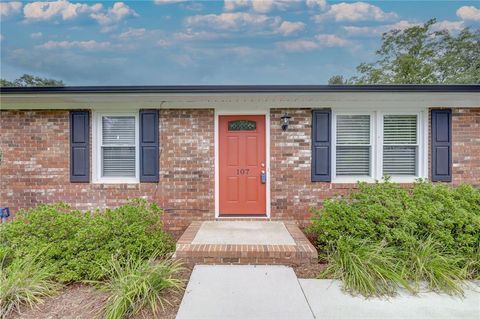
[[125, 101]]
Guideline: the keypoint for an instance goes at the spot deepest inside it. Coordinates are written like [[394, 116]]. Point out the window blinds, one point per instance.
[[353, 145], [400, 145], [118, 146]]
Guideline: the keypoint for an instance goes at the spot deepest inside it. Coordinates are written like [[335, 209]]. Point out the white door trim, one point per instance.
[[217, 160]]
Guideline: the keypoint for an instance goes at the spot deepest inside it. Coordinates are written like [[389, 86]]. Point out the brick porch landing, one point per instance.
[[245, 242]]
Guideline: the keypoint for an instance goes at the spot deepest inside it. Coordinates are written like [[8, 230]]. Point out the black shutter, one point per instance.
[[79, 147], [321, 145], [149, 153], [441, 145]]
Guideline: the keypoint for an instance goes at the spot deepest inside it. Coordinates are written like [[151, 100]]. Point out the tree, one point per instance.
[[337, 80], [30, 80], [420, 54]]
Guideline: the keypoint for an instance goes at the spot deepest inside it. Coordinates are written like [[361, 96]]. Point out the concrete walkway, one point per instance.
[[264, 292], [223, 292], [327, 300]]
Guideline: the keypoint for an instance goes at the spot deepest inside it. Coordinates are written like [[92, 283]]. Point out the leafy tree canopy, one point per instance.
[[420, 54], [336, 80], [30, 80]]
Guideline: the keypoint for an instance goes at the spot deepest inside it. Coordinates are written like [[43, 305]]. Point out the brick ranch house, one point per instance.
[[212, 152]]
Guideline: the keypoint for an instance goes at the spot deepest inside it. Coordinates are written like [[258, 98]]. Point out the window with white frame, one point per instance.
[[375, 144], [400, 145], [117, 149], [353, 145]]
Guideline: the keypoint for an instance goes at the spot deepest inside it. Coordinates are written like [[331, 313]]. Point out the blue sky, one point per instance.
[[207, 42]]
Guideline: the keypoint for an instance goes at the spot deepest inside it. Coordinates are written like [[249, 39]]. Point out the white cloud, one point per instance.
[[107, 18], [240, 50], [451, 26], [262, 6], [298, 45], [196, 35], [43, 11], [373, 31], [132, 33], [36, 35], [322, 4], [90, 45], [183, 60], [469, 13], [287, 27], [160, 2], [115, 14], [193, 6], [378, 30], [231, 5], [9, 8], [72, 66], [1, 37], [356, 11], [330, 40], [233, 21], [318, 42], [162, 43]]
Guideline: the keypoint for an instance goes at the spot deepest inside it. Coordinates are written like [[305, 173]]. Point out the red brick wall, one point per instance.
[[292, 191], [35, 166], [466, 145]]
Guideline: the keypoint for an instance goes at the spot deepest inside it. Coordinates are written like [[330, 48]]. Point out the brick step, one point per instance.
[[298, 250]]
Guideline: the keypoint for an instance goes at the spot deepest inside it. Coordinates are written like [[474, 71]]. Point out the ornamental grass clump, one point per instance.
[[365, 268], [386, 236], [427, 262], [137, 284], [24, 282]]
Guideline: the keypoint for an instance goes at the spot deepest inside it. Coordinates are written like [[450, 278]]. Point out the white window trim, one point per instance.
[[376, 131], [353, 178], [97, 157]]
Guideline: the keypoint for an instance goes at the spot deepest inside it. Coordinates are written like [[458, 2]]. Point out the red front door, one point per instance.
[[242, 163]]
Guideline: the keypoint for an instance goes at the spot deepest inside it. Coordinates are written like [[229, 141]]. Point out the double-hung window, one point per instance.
[[400, 145], [371, 145], [117, 147], [353, 145]]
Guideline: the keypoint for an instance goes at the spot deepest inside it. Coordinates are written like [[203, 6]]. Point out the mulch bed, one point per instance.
[[73, 301], [309, 271], [79, 301]]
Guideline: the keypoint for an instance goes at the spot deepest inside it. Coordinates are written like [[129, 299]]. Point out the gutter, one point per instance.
[[212, 89]]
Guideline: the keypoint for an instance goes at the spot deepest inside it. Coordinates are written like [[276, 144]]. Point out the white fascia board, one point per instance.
[[125, 101]]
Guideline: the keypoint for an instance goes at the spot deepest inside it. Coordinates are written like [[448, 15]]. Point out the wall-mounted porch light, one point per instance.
[[285, 121]]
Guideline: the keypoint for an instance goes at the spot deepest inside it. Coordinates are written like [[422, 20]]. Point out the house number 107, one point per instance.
[[242, 171]]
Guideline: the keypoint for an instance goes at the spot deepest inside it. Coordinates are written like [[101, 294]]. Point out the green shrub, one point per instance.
[[137, 284], [76, 245], [432, 230], [24, 283]]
